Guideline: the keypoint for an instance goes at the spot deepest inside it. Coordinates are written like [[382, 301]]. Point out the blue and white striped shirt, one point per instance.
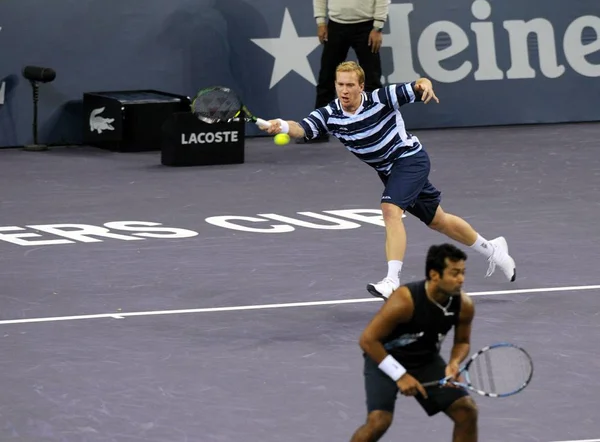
[[375, 133]]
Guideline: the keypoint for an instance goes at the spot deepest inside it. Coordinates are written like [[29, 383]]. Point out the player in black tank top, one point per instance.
[[418, 341], [402, 345]]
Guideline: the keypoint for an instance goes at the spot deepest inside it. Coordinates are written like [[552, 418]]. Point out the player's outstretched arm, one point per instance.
[[292, 128], [397, 95]]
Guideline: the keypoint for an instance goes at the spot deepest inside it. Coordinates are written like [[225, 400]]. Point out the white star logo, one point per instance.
[[290, 52]]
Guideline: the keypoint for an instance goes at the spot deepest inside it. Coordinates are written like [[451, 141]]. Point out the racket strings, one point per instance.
[[216, 104], [501, 370]]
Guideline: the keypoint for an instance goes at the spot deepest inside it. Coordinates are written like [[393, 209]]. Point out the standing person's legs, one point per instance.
[[335, 51], [369, 61]]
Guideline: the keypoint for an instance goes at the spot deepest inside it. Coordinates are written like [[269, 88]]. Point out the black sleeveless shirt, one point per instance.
[[418, 341]]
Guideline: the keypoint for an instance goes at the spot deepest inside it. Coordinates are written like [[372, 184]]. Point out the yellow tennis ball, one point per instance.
[[281, 139]]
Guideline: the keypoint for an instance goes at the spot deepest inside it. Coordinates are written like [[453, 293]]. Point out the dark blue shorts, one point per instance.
[[408, 187], [382, 392]]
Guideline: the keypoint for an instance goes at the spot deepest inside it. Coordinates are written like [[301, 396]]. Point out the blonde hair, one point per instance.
[[352, 66]]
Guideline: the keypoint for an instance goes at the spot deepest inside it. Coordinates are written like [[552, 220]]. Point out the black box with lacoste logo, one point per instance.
[[128, 121], [187, 141]]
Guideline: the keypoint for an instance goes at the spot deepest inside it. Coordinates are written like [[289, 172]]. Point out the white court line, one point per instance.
[[579, 440], [121, 315]]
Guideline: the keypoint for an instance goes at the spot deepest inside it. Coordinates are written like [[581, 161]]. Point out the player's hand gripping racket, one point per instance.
[[221, 104], [498, 370]]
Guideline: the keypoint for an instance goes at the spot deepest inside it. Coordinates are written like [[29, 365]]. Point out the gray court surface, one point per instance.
[[113, 331]]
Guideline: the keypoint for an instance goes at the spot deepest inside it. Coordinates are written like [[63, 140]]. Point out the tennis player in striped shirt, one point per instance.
[[371, 127]]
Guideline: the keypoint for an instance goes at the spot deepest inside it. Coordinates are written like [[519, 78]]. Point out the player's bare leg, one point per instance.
[[496, 250], [377, 424], [395, 248], [464, 414]]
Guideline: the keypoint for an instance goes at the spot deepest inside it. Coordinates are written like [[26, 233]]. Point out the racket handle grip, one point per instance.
[[262, 123], [430, 384]]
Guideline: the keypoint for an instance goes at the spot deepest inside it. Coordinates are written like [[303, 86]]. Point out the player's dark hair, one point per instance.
[[436, 257]]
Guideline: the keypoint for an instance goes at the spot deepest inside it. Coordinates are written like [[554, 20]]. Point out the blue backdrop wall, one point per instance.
[[508, 62]]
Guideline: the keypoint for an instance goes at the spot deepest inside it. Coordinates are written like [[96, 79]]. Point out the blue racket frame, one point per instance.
[[464, 371]]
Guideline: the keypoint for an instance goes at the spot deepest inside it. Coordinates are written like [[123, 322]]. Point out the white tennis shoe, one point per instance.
[[383, 289], [501, 258]]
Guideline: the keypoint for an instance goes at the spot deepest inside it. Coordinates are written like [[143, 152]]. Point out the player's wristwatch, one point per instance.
[[377, 28]]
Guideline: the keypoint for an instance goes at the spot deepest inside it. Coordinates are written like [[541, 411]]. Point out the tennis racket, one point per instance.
[[221, 104], [498, 370]]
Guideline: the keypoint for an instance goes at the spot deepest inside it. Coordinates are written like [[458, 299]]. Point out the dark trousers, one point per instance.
[[342, 37]]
